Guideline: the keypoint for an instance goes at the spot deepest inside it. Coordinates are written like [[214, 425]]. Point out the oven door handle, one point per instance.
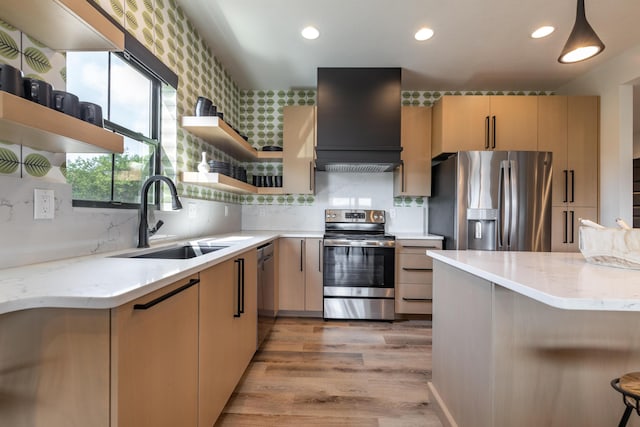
[[359, 243]]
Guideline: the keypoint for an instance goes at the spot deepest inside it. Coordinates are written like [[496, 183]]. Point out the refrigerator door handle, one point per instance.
[[504, 207], [513, 201]]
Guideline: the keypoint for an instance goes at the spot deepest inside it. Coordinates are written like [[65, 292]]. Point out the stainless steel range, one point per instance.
[[359, 265]]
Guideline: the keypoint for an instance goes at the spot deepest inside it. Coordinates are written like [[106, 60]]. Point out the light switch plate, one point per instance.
[[43, 204], [193, 211]]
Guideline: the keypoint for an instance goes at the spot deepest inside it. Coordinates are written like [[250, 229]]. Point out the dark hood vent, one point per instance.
[[358, 122]]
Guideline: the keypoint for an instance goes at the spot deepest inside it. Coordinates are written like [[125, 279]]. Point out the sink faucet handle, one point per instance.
[[155, 229]]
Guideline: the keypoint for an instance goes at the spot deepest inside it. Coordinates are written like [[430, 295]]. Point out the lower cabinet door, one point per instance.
[[228, 329], [218, 305], [565, 226], [154, 344], [413, 298]]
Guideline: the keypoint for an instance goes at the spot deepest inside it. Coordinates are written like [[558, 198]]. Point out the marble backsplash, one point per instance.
[[339, 190], [85, 231]]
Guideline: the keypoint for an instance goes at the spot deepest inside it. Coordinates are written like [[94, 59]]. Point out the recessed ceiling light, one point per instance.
[[424, 34], [542, 32], [310, 33]]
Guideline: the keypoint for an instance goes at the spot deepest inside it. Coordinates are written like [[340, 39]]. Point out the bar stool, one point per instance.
[[629, 386]]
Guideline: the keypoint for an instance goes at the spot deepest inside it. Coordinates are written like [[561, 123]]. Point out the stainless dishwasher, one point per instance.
[[266, 291]]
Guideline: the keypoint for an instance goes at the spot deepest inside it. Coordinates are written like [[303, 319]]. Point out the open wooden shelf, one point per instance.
[[219, 181], [215, 131], [226, 183], [269, 155], [63, 24], [27, 123]]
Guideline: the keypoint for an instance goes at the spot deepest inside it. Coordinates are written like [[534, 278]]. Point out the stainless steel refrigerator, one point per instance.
[[492, 200]]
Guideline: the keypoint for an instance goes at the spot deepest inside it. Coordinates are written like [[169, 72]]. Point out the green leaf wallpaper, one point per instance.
[[37, 60], [9, 161], [8, 47], [36, 165]]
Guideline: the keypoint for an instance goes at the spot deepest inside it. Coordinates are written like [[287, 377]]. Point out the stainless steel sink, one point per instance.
[[176, 252]]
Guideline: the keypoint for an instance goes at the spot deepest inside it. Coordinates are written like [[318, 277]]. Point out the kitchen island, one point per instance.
[[531, 339]]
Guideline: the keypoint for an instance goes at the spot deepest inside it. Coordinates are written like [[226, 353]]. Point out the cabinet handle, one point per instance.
[[565, 227], [320, 256], [416, 269], [420, 247], [416, 299], [566, 186], [242, 285], [486, 132], [310, 176], [301, 253], [572, 226], [493, 144], [402, 177], [166, 296], [238, 311], [573, 186]]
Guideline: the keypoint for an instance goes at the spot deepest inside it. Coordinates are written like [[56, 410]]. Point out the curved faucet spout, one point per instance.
[[143, 229]]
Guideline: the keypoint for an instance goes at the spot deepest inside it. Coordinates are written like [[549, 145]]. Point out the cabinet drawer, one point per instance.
[[413, 298], [417, 246], [414, 268]]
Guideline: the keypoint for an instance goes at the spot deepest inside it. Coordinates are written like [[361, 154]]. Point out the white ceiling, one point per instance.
[[478, 44]]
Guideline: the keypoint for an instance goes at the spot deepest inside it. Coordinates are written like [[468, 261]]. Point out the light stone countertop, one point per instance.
[[561, 280], [105, 281]]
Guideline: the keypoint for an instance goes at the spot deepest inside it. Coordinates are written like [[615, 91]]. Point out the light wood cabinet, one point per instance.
[[217, 308], [414, 276], [227, 331], [299, 141], [465, 123], [300, 274], [154, 356], [413, 177], [54, 365], [569, 127]]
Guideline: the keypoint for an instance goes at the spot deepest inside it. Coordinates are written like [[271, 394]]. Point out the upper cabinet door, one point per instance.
[[299, 140], [583, 137], [467, 123], [413, 177], [552, 136], [514, 123], [460, 124]]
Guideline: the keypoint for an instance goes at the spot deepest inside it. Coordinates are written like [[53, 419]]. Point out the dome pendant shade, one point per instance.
[[583, 43]]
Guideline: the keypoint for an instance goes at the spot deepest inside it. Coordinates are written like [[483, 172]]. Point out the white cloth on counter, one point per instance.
[[611, 246]]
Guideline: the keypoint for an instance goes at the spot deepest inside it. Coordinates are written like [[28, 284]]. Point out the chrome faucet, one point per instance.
[[143, 229]]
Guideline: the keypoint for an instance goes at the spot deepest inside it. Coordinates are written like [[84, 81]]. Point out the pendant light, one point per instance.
[[583, 43]]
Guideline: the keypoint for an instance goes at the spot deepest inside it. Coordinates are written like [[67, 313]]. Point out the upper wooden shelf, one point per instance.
[[27, 123], [215, 131], [63, 24], [226, 183]]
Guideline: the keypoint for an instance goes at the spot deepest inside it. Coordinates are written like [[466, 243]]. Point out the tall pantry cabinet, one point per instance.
[[568, 126]]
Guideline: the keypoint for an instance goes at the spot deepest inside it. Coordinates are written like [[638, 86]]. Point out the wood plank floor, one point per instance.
[[315, 373]]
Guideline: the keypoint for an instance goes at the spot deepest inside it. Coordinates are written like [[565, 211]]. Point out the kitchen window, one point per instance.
[[131, 99]]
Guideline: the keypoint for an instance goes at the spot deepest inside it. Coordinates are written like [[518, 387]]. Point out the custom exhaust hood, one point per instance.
[[358, 119]]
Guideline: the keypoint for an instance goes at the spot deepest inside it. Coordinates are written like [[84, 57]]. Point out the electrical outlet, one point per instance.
[[392, 213], [262, 211], [193, 211], [226, 210], [43, 204]]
